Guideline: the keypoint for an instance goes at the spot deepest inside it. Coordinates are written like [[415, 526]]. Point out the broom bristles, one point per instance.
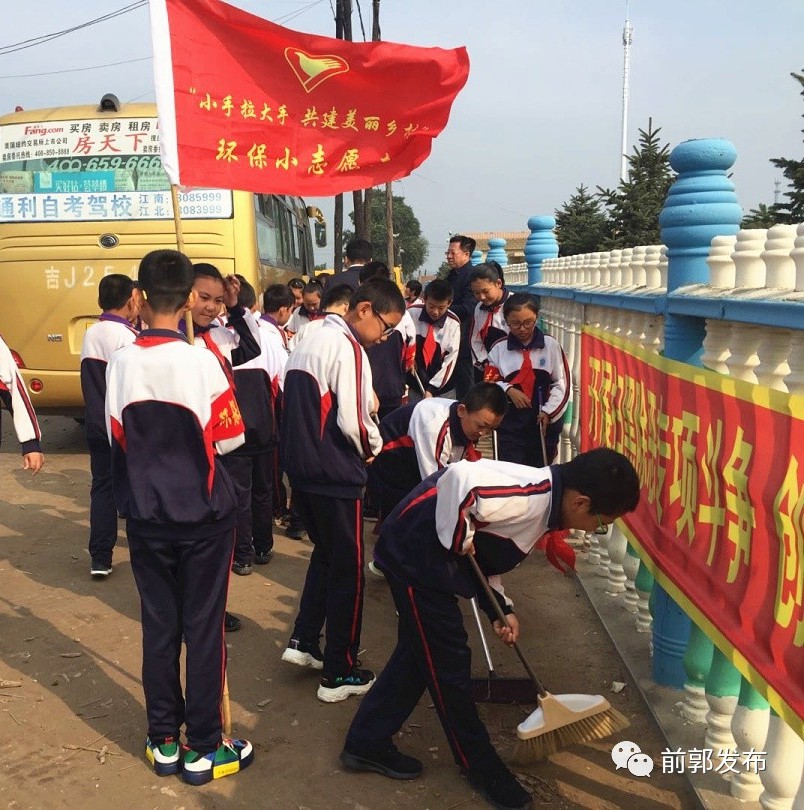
[[595, 727]]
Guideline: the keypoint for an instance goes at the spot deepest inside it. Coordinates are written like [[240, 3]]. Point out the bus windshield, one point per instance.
[[83, 170]]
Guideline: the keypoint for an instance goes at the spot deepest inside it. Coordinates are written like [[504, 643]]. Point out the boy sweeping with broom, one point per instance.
[[496, 511]]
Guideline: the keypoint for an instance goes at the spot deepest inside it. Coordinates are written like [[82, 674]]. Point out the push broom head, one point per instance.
[[561, 721]]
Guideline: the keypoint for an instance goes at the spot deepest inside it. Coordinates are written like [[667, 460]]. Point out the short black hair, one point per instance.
[[296, 283], [247, 297], [414, 286], [207, 271], [438, 290], [114, 290], [382, 294], [166, 280], [312, 287], [466, 242], [488, 271], [359, 250], [276, 297], [373, 270], [520, 300], [336, 294], [606, 477], [486, 395]]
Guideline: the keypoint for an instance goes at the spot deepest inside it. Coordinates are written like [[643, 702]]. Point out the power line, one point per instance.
[[293, 14], [77, 70], [30, 43]]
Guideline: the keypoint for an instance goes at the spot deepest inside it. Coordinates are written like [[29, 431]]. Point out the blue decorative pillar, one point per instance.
[[700, 205], [476, 257], [497, 252], [540, 245]]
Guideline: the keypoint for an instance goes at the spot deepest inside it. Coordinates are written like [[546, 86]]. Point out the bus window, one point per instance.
[[267, 247]]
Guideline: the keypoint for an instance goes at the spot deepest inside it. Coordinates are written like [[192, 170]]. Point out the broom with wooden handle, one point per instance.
[[560, 720]]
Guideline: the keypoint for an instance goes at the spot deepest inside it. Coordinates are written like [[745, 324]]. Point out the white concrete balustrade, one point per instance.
[[757, 265]]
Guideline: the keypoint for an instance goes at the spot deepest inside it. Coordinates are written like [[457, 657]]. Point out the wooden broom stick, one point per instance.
[[174, 196]]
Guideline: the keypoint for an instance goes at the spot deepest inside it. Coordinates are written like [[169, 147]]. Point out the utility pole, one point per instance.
[[376, 36], [337, 226]]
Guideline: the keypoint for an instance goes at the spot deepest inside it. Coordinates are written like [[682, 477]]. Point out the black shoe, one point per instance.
[[241, 569], [334, 688], [500, 788], [304, 654], [389, 763], [231, 624], [263, 557], [296, 531]]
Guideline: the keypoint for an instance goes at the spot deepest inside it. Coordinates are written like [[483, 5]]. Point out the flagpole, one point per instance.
[[174, 196]]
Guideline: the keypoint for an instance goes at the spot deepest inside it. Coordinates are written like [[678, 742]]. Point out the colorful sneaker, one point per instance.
[[230, 757], [334, 688], [303, 654], [163, 756]]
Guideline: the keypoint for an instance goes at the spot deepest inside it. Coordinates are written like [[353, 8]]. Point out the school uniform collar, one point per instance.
[[455, 428], [153, 337], [197, 330], [424, 317], [536, 342], [110, 316], [495, 307], [556, 494], [268, 319]]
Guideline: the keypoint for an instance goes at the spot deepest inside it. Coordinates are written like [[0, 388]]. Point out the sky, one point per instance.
[[541, 112]]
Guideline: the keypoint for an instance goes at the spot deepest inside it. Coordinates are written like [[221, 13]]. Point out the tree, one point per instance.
[[763, 216], [443, 270], [634, 206], [410, 247], [581, 225], [792, 210]]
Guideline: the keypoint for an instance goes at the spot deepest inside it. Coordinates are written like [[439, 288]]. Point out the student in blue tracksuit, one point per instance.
[[423, 437], [532, 369], [120, 301], [327, 437], [170, 414], [496, 511]]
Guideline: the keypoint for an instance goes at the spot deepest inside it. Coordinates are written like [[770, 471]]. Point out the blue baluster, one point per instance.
[[497, 252], [476, 257], [540, 245], [700, 205]]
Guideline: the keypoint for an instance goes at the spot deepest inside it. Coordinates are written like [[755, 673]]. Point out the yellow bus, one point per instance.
[[83, 194]]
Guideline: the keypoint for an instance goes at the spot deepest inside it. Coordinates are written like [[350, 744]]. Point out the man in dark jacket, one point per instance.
[[463, 304], [358, 253]]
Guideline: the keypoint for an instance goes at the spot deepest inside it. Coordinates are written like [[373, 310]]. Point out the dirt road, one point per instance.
[[74, 646]]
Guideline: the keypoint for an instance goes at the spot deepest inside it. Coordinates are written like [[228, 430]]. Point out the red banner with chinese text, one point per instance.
[[721, 518], [262, 108]]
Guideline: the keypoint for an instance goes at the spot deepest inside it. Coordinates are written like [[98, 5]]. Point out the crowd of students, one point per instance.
[[347, 393]]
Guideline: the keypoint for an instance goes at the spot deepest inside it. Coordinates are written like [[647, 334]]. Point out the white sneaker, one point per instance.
[[303, 654], [100, 571], [374, 570]]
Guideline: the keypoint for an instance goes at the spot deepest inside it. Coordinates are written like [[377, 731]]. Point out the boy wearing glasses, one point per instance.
[[327, 436]]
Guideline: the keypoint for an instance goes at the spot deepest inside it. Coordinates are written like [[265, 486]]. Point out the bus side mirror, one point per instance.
[[320, 229]]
